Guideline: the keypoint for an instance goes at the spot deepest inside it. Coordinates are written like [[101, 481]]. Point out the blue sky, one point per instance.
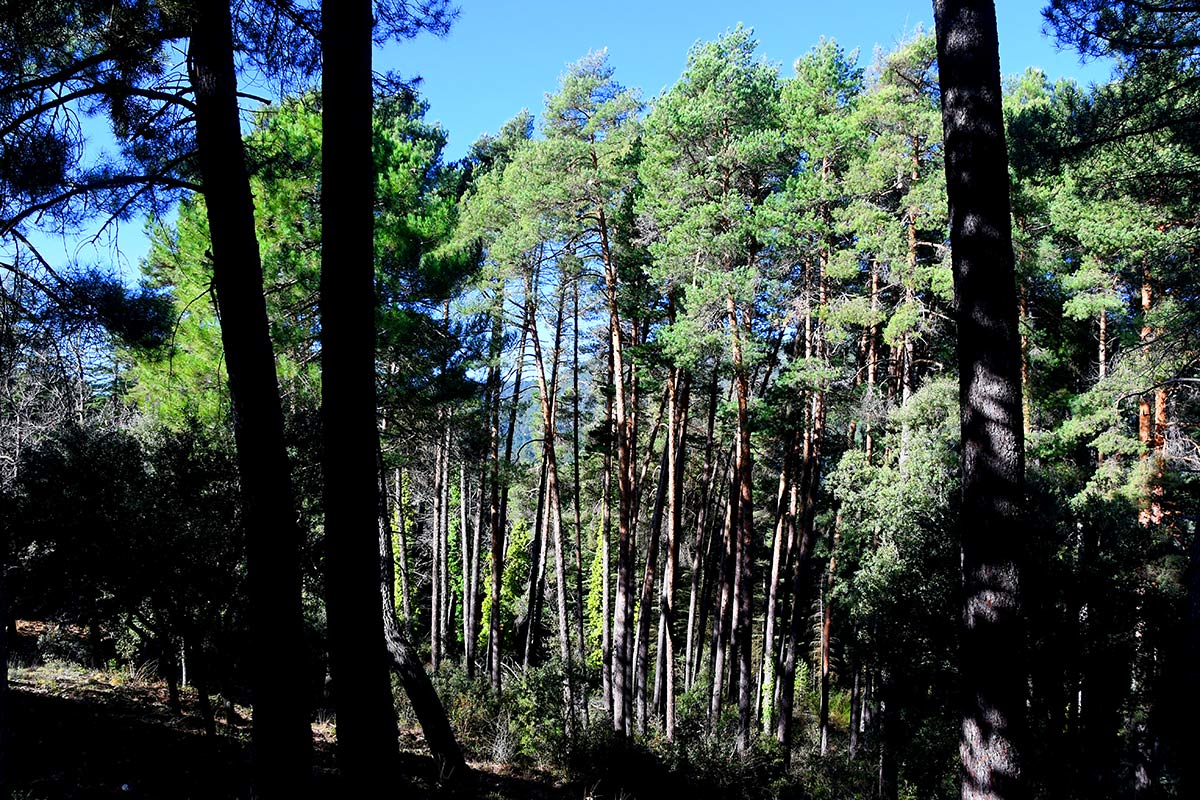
[[504, 55]]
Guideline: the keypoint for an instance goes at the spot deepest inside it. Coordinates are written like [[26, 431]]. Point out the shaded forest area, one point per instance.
[[824, 434]]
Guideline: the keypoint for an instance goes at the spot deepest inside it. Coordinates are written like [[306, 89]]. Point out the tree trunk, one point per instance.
[[281, 734], [464, 542], [802, 534], [1191, 671], [577, 490], [699, 552], [446, 623], [826, 637], [723, 622], [476, 587], [676, 445], [399, 481], [743, 584], [778, 557], [989, 362], [366, 723], [547, 394], [537, 573], [606, 563], [856, 703], [1026, 386], [499, 510], [872, 350], [626, 429], [431, 714], [5, 734], [642, 637], [435, 554]]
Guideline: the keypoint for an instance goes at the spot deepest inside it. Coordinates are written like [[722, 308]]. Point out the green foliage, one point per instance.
[[512, 586]]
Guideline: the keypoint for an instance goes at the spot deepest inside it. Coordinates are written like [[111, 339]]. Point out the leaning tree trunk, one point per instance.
[[989, 366], [281, 735], [366, 722], [431, 714]]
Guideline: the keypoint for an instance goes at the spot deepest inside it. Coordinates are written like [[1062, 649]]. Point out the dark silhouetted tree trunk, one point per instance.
[[366, 724], [4, 715], [281, 734], [989, 364]]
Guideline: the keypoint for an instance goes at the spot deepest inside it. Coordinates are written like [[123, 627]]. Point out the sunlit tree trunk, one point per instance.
[[743, 583], [547, 394]]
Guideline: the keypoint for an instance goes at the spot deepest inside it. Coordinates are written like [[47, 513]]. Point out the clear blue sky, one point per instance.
[[504, 55]]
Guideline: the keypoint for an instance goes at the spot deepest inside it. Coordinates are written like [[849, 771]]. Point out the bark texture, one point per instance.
[[989, 362]]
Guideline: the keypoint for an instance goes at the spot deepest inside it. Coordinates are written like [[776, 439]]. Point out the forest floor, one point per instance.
[[80, 734]]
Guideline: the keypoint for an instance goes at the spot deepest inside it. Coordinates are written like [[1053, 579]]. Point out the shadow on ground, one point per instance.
[[79, 740]]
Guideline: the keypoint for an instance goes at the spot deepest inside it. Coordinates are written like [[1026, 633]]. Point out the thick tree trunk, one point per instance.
[[281, 734], [5, 734], [1191, 671], [366, 723], [989, 362]]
